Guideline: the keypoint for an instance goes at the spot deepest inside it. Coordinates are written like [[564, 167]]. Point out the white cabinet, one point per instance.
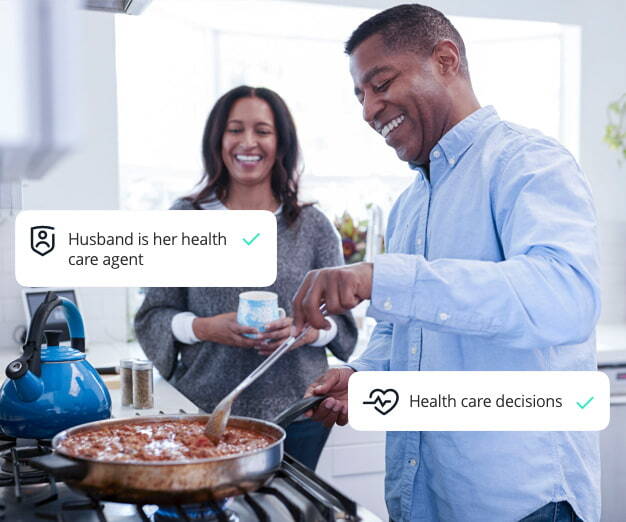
[[613, 452], [354, 462]]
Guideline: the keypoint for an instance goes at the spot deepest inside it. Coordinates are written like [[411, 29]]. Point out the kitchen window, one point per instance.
[[179, 56]]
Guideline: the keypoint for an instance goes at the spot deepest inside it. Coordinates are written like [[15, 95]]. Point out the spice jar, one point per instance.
[[143, 391], [126, 381]]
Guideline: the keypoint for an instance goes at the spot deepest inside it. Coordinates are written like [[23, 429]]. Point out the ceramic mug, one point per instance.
[[258, 308]]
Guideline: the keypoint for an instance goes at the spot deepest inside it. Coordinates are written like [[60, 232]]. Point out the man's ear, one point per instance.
[[447, 58]]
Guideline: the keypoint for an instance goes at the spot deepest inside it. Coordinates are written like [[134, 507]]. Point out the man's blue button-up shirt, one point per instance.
[[491, 264]]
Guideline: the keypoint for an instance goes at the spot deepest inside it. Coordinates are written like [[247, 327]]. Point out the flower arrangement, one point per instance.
[[353, 237]]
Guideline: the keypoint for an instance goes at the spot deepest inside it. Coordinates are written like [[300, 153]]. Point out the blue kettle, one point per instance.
[[54, 388]]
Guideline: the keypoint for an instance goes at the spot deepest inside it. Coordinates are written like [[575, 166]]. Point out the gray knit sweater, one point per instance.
[[205, 372]]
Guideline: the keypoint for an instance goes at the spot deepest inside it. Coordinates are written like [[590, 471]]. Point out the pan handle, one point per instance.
[[60, 467], [286, 417]]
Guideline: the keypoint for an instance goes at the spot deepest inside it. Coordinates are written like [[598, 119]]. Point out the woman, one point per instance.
[[251, 159]]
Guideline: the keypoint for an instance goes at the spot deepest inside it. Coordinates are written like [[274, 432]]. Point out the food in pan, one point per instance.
[[159, 441]]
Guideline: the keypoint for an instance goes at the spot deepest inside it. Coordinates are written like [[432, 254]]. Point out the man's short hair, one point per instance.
[[411, 27]]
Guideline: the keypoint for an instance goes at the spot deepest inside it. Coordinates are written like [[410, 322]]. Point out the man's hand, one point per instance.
[[341, 288], [224, 329], [333, 409], [278, 331]]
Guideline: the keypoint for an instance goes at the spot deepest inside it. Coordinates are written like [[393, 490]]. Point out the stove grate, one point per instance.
[[85, 505], [6, 442], [81, 504], [294, 471], [325, 511], [257, 509], [57, 517], [295, 512], [15, 473], [54, 494]]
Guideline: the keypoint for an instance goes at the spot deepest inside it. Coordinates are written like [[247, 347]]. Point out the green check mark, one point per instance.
[[251, 241], [583, 406]]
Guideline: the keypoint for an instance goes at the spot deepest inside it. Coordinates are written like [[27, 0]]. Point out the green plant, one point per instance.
[[615, 131]]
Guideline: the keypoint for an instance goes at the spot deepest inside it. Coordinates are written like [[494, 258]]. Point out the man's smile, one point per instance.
[[391, 126]]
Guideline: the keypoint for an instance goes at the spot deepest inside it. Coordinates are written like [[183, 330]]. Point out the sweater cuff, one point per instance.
[[326, 336], [182, 328]]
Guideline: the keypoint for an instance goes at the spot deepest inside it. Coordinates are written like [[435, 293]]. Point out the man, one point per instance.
[[491, 264]]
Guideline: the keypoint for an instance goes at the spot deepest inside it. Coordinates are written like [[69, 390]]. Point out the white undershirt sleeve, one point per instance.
[[326, 336], [182, 327]]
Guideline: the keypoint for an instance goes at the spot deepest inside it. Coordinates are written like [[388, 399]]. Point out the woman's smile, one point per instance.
[[249, 161]]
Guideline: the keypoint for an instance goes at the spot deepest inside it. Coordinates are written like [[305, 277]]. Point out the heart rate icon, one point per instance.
[[383, 400]]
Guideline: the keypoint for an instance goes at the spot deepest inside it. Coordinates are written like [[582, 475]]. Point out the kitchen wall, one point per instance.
[[85, 180]]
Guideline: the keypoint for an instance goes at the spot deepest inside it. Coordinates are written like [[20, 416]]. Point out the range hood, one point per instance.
[[40, 120], [132, 7]]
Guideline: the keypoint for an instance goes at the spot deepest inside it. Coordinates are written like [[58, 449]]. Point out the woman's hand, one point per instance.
[[224, 329], [277, 332]]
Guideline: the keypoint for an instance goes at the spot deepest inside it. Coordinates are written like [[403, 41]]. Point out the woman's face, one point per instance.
[[249, 141]]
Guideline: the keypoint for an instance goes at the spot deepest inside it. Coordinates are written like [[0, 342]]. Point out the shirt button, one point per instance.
[[387, 304], [419, 240], [413, 349], [451, 161], [444, 316], [436, 154], [413, 462]]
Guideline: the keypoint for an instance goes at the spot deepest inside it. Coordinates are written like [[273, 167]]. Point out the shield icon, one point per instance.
[[42, 239]]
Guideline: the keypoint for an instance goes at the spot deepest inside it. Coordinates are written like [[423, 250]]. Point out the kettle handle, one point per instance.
[[72, 316], [31, 358]]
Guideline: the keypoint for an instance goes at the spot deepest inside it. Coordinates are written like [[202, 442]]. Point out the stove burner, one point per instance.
[[15, 473], [215, 511]]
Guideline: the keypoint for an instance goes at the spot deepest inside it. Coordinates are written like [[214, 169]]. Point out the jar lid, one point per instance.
[[142, 365], [126, 363]]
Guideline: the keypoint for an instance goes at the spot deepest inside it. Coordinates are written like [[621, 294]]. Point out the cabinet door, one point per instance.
[[613, 455]]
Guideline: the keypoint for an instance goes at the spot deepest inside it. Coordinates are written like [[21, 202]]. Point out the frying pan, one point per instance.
[[173, 482]]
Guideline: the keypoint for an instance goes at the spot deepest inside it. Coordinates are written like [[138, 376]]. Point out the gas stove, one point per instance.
[[294, 493]]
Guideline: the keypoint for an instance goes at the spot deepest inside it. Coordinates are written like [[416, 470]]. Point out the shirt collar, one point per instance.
[[461, 137]]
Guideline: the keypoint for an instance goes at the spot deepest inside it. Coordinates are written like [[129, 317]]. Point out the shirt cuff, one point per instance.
[[392, 287], [182, 328], [326, 336]]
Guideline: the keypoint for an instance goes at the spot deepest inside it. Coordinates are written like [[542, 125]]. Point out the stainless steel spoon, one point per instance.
[[216, 425]]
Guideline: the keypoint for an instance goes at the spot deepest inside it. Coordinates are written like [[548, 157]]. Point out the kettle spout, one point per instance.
[[28, 386]]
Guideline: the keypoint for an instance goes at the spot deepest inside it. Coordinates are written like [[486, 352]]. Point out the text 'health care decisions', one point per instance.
[[479, 401]]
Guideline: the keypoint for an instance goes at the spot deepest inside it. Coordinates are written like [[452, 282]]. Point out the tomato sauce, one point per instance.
[[159, 441]]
